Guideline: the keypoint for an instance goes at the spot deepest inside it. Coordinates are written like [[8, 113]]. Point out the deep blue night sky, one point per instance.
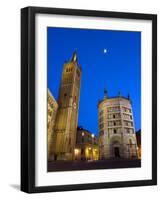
[[119, 69]]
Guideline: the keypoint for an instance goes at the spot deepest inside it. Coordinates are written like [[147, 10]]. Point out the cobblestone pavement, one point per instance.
[[88, 165]]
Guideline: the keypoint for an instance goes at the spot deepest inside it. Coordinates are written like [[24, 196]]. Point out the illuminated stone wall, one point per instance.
[[67, 114], [138, 138], [52, 111], [86, 145], [117, 138]]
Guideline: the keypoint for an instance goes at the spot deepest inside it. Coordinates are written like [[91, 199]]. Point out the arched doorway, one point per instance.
[[117, 152]]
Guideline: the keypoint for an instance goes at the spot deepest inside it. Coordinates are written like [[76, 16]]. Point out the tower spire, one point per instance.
[[128, 96], [74, 57], [119, 93], [105, 93]]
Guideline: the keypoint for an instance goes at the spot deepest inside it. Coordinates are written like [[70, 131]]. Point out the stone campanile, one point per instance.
[[67, 114]]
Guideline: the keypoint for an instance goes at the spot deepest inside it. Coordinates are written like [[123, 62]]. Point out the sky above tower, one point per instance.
[[109, 59]]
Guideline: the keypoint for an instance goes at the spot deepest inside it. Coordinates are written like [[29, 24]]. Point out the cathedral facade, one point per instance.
[[117, 138], [67, 115], [52, 111]]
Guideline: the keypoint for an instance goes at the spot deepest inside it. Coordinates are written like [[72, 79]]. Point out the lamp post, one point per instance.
[[92, 146], [83, 153]]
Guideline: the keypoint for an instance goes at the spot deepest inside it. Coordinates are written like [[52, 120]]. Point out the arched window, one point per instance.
[[115, 131]]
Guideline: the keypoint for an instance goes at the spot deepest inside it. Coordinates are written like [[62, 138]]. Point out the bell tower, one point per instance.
[[67, 114]]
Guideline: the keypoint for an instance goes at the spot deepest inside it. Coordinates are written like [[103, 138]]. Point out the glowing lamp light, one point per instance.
[[76, 151], [92, 135]]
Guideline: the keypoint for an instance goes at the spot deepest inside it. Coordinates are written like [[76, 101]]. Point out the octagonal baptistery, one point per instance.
[[117, 138]]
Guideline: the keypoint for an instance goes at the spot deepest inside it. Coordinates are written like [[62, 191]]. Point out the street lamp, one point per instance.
[[76, 151], [82, 154], [92, 145]]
